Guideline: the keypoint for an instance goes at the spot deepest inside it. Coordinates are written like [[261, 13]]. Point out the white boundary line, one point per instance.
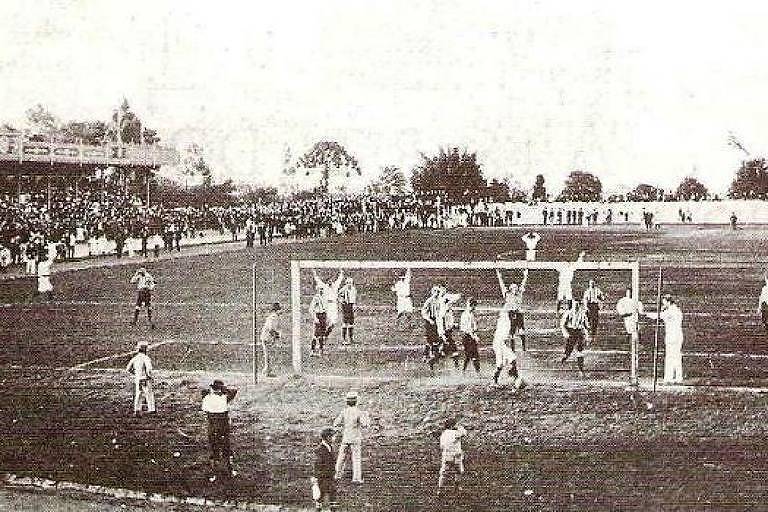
[[120, 355]]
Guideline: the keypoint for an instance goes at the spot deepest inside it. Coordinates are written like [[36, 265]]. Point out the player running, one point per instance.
[[331, 293], [513, 300], [565, 284], [145, 283]]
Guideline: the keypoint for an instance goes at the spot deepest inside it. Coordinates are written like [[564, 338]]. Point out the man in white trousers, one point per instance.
[[402, 289], [140, 366], [331, 293], [270, 333], [531, 239], [672, 317], [352, 420]]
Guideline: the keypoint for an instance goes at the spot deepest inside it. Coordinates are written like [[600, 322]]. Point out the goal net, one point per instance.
[[384, 341]]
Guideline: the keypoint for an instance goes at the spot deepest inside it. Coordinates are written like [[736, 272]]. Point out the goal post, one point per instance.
[[298, 265]]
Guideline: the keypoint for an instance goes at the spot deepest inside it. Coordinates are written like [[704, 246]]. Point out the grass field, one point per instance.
[[564, 443]]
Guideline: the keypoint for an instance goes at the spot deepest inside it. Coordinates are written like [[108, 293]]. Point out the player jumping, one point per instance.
[[513, 300], [531, 239], [505, 355], [331, 293], [565, 284]]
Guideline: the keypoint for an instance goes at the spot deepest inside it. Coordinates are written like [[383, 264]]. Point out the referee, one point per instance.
[[593, 297]]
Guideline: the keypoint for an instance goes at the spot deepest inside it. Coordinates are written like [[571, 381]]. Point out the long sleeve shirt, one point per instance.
[[353, 420], [141, 366]]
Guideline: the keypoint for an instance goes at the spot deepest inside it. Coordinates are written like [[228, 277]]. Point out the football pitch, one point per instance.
[[566, 442]]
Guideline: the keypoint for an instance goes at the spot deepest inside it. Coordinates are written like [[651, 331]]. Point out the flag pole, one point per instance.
[[656, 335]]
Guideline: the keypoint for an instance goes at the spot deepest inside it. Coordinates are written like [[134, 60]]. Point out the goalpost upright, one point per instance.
[[298, 265]]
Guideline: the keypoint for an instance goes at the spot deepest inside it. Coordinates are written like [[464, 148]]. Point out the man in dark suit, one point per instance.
[[323, 482]]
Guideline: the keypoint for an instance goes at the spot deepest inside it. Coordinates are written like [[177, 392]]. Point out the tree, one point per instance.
[[87, 132], [645, 192], [498, 191], [42, 121], [751, 181], [194, 164], [517, 195], [326, 155], [256, 194], [691, 189], [150, 136], [581, 186], [539, 190], [454, 174], [391, 182]]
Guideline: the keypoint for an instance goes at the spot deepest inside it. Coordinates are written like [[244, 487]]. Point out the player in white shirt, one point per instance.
[[402, 289], [672, 317], [531, 239], [140, 366], [44, 285], [452, 453], [513, 302], [762, 304], [505, 355], [270, 333], [629, 310], [565, 284], [348, 298], [331, 293], [145, 283]]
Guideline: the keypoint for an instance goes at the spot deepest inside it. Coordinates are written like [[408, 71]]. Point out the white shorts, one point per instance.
[[404, 305], [44, 284], [530, 255], [333, 313], [504, 355]]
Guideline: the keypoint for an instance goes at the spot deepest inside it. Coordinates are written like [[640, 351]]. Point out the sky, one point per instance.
[[630, 91]]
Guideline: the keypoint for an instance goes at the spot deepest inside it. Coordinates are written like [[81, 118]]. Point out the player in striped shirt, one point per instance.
[[446, 325], [575, 329], [318, 308], [348, 298], [145, 283], [470, 339], [430, 313], [593, 297]]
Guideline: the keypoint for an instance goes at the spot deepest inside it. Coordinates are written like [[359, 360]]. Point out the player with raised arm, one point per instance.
[[402, 289], [331, 293], [318, 308], [530, 239], [505, 355], [446, 325], [513, 300], [565, 284]]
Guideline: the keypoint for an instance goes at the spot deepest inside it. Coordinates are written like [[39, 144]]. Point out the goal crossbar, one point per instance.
[[298, 265]]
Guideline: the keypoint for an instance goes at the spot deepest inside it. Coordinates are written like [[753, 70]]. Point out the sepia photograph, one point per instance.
[[383, 256]]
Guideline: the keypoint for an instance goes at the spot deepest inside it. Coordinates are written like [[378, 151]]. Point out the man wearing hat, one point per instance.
[[145, 283], [323, 482], [270, 333], [216, 407], [348, 297], [140, 366], [352, 420]]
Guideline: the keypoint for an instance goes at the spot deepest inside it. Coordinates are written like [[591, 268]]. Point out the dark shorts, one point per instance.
[[449, 347], [327, 489], [144, 298], [430, 333], [516, 321], [347, 313], [321, 324], [470, 347]]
